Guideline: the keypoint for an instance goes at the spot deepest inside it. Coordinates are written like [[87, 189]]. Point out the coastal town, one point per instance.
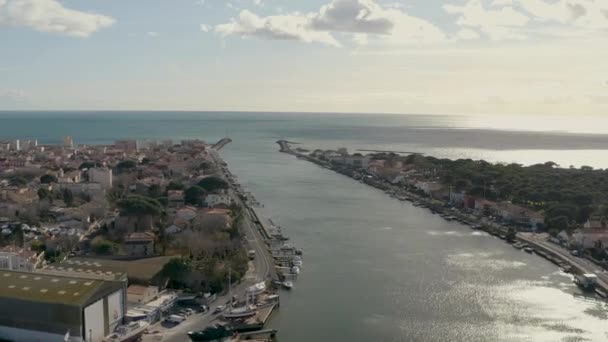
[[567, 225], [134, 240]]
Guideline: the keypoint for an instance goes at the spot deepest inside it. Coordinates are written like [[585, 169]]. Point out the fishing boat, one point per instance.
[[288, 284], [528, 250], [295, 270], [128, 333]]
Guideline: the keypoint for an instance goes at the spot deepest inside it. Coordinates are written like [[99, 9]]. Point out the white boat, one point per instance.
[[241, 312], [288, 284], [295, 270], [128, 333], [256, 289]]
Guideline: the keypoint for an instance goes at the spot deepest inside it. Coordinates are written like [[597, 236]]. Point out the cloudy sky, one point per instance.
[[404, 56]]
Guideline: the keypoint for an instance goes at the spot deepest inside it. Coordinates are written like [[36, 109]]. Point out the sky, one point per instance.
[[486, 57]]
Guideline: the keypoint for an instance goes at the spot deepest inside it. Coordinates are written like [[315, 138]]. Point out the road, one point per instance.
[[260, 270]]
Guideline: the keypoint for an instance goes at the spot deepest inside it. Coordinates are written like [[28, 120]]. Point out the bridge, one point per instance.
[[220, 144]]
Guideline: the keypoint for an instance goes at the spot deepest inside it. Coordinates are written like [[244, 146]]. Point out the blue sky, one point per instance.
[[419, 56]]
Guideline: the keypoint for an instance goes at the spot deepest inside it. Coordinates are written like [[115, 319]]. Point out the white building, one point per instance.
[[213, 200], [19, 259], [102, 176]]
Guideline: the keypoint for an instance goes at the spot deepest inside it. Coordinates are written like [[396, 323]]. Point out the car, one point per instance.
[[204, 308], [176, 319], [219, 309]]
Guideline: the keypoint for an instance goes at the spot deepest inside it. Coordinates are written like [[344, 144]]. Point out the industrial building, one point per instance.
[[39, 307]]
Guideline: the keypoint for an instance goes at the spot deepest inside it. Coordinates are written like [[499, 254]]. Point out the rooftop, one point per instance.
[[142, 269], [47, 288]]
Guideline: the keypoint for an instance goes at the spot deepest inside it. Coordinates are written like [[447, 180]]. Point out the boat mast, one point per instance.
[[230, 285]]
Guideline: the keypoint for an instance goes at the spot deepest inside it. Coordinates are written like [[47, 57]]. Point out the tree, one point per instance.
[[126, 166], [194, 195], [139, 206], [177, 270], [173, 185], [48, 179], [213, 183], [44, 194], [155, 191], [17, 181], [68, 197], [102, 246]]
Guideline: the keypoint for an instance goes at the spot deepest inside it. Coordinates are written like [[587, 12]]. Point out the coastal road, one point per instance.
[[261, 271]]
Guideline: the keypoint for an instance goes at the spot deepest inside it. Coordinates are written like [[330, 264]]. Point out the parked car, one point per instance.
[[219, 309], [176, 319]]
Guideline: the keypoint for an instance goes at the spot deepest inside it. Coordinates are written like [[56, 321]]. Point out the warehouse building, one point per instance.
[[41, 307]]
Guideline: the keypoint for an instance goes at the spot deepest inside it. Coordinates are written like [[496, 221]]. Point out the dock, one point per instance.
[[256, 322]]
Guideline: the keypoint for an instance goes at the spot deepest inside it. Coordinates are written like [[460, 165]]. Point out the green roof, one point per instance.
[[47, 288], [143, 270]]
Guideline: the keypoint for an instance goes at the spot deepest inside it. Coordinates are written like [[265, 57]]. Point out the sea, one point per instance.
[[375, 268]]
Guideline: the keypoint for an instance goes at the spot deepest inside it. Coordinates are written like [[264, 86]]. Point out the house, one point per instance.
[[185, 214], [140, 244], [175, 198], [102, 176], [597, 222], [518, 214], [19, 259], [214, 200], [590, 238], [428, 187], [138, 294]]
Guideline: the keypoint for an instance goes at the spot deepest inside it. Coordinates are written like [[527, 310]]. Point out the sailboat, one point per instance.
[[240, 312]]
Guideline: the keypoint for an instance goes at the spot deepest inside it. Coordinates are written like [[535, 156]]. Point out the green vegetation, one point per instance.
[[568, 197], [126, 166], [173, 185], [135, 205], [102, 246], [44, 194], [213, 183], [17, 181], [48, 179], [194, 195], [68, 197]]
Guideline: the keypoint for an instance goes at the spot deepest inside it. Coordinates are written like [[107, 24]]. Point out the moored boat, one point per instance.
[[128, 333]]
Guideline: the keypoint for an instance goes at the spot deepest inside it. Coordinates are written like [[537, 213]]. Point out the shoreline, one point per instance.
[[541, 247]]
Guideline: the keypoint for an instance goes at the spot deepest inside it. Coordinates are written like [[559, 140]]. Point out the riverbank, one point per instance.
[[534, 243]]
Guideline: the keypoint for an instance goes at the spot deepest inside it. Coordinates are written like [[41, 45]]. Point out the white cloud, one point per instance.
[[258, 2], [152, 34], [357, 16], [51, 16], [364, 18], [498, 24], [279, 27], [205, 28]]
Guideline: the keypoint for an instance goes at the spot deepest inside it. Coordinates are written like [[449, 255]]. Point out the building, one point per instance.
[[102, 176], [175, 198], [126, 145], [68, 142], [214, 200], [140, 244], [19, 259], [49, 308], [137, 294]]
